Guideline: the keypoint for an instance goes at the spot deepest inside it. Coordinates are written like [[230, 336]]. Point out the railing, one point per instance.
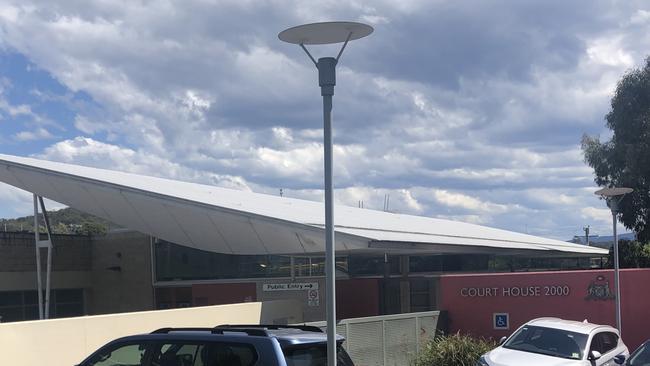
[[388, 340]]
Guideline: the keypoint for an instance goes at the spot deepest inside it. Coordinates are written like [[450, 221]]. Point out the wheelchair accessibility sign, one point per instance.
[[501, 321]]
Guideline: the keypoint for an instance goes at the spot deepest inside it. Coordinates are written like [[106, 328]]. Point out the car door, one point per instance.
[[607, 344], [123, 353], [640, 357]]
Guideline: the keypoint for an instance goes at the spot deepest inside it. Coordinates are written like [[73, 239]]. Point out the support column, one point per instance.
[[37, 241], [43, 307]]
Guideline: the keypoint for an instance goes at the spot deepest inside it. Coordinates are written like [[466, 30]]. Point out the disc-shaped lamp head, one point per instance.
[[325, 33], [613, 191]]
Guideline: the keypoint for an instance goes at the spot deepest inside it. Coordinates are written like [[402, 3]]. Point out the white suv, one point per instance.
[[557, 342]]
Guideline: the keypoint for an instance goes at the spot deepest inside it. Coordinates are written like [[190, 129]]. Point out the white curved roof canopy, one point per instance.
[[238, 222]]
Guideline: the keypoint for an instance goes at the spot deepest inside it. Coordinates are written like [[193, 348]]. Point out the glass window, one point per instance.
[[69, 295], [177, 354], [315, 356], [604, 342], [425, 263], [175, 262], [31, 297], [227, 354], [67, 303], [548, 341], [365, 265], [315, 266], [12, 314], [23, 305], [641, 357], [420, 294], [11, 298], [122, 355]]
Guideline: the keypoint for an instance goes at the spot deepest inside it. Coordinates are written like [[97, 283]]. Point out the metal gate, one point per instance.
[[387, 340]]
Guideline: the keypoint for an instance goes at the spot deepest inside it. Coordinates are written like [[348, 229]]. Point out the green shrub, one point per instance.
[[453, 350]]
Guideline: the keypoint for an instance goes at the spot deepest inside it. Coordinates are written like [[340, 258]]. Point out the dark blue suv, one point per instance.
[[224, 345]]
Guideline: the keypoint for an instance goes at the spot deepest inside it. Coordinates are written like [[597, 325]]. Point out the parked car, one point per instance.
[[640, 357], [224, 345], [557, 342]]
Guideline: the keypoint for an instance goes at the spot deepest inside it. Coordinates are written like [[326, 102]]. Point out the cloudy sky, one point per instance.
[[466, 110]]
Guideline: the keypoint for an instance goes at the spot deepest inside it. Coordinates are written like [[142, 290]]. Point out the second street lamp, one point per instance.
[[614, 196]]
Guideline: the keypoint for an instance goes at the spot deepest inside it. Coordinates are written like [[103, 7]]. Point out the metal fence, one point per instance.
[[388, 340]]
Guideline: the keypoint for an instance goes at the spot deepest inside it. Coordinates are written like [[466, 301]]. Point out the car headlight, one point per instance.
[[482, 362]]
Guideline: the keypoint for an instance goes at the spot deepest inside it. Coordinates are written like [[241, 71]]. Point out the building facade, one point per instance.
[[129, 271], [90, 275]]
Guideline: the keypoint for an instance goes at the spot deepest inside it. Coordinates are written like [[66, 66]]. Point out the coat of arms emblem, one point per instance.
[[599, 290]]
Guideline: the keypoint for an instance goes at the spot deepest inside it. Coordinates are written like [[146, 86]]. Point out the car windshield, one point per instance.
[[548, 341], [314, 355], [641, 357]]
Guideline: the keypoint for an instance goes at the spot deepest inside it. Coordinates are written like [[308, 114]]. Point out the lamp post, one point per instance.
[[614, 195], [315, 34]]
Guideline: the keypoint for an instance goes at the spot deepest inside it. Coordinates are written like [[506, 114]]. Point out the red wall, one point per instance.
[[474, 314], [357, 298], [223, 293]]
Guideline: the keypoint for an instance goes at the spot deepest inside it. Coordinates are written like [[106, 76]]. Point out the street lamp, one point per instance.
[[327, 33], [614, 195]]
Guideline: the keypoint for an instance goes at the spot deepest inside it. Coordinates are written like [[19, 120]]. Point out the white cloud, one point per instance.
[[85, 125], [15, 202], [37, 134], [200, 91], [89, 152], [601, 215], [609, 51], [640, 17], [466, 202]]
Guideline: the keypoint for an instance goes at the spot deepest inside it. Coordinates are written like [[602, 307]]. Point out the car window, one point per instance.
[[231, 354], [548, 341], [203, 354], [315, 355], [640, 357], [604, 342], [120, 355], [176, 354]]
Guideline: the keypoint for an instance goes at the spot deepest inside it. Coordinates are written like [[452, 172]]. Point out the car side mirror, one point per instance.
[[619, 360], [594, 355], [502, 340]]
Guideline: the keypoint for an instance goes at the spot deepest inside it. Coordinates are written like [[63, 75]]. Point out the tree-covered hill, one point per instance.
[[64, 221]]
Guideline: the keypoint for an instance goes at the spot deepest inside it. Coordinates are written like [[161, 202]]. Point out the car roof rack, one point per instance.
[[304, 327], [216, 330]]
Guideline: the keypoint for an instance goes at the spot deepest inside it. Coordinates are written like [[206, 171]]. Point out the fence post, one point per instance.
[[383, 337], [417, 335]]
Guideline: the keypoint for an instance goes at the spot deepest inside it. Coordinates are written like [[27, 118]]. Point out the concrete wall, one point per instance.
[[18, 281], [70, 253], [121, 273], [114, 270], [66, 342]]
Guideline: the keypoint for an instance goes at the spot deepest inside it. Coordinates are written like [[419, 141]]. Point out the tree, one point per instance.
[[624, 160], [92, 228], [631, 254]]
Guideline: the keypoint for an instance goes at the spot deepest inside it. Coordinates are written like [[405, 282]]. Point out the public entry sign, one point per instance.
[[291, 286]]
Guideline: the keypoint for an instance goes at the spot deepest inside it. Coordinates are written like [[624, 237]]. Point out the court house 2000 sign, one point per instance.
[[516, 291]]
